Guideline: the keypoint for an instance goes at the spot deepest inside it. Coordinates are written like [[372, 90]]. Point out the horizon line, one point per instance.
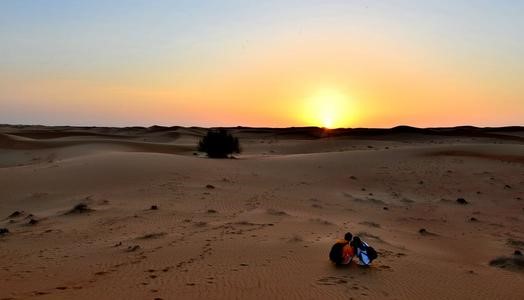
[[263, 127]]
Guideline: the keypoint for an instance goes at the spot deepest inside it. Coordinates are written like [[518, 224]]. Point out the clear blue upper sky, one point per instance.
[[83, 62]]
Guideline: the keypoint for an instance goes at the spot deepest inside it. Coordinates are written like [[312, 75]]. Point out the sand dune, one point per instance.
[[260, 226]]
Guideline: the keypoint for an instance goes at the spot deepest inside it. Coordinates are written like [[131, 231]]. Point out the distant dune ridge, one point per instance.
[[138, 213]]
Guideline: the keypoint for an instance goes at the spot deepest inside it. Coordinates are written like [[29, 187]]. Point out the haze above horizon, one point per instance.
[[262, 63]]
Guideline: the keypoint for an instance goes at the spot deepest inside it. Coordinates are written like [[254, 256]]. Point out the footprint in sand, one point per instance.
[[385, 268]]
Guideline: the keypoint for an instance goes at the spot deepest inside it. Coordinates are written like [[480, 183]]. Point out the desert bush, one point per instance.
[[218, 143]]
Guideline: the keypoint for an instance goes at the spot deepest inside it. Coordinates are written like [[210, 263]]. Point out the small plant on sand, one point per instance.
[[218, 143]]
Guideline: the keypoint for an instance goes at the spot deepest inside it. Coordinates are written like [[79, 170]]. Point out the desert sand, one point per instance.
[[136, 213]]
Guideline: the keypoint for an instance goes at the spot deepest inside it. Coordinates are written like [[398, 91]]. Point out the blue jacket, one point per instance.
[[362, 254]]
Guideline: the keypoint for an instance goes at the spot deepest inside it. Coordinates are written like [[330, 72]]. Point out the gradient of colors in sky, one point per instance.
[[262, 63]]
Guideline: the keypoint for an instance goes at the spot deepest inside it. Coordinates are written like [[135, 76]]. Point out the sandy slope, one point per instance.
[[265, 225]]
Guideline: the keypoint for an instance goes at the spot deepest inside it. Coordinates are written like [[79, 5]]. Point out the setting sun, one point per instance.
[[328, 108]]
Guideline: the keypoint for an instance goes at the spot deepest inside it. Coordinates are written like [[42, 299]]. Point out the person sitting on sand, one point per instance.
[[365, 253], [342, 252]]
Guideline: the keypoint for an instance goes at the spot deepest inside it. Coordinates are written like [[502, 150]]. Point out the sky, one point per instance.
[[262, 63]]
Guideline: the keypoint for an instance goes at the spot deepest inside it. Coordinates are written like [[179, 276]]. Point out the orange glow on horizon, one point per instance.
[[328, 108]]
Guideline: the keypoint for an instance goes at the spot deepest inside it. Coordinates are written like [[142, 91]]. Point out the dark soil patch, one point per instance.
[[152, 235], [370, 224], [512, 263], [462, 201], [133, 248], [16, 214], [424, 231], [275, 212], [80, 208]]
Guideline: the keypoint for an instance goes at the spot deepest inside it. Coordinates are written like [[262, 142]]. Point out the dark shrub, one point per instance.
[[218, 143], [462, 201]]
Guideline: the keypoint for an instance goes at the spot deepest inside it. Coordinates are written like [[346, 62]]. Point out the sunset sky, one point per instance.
[[262, 63]]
